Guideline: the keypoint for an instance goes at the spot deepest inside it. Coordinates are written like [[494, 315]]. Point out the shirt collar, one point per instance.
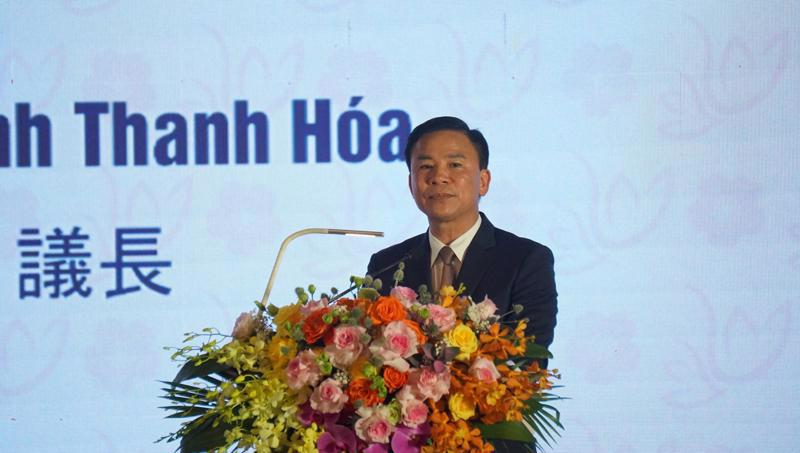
[[459, 244]]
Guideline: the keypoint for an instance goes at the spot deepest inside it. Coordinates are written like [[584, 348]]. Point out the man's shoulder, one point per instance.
[[506, 240]]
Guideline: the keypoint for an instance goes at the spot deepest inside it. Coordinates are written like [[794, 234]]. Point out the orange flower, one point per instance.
[[353, 303], [360, 390], [386, 310], [393, 378], [346, 302], [465, 436], [459, 437], [544, 384], [441, 429], [314, 327], [459, 304], [495, 343], [519, 331], [421, 338], [357, 367]]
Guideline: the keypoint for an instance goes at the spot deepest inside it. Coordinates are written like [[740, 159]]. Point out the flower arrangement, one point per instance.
[[403, 373]]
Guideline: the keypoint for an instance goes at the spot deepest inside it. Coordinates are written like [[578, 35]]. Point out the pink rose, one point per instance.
[[374, 426], [482, 311], [487, 308], [302, 370], [412, 409], [414, 413], [428, 383], [345, 346], [328, 397], [483, 369], [405, 295], [398, 341], [443, 318], [406, 393], [245, 326], [313, 305]]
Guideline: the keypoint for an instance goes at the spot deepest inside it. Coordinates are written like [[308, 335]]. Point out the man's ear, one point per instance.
[[486, 179], [409, 184]]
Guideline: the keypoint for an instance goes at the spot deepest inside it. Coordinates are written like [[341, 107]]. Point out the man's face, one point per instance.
[[446, 180]]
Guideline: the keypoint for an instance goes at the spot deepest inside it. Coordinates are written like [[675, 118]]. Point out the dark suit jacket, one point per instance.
[[507, 268]]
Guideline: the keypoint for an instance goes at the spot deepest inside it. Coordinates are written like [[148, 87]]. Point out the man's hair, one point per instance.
[[449, 123]]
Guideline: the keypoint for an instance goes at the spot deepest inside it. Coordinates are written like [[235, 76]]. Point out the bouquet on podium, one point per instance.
[[403, 373]]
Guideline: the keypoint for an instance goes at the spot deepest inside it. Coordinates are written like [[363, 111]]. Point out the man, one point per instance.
[[448, 174]]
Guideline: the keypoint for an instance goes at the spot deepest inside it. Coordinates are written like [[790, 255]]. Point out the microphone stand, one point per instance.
[[304, 232], [341, 294]]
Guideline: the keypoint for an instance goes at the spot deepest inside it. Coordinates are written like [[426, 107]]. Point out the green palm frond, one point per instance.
[[515, 431], [543, 419], [185, 411], [207, 435], [201, 368]]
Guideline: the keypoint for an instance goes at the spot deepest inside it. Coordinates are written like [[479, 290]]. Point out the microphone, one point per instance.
[[405, 257]]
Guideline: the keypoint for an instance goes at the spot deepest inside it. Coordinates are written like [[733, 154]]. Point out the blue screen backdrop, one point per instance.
[[153, 155]]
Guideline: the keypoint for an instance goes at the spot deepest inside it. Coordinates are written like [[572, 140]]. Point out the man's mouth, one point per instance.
[[440, 196]]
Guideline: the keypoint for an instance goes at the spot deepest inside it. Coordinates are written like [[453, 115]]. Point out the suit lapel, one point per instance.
[[478, 257], [417, 268]]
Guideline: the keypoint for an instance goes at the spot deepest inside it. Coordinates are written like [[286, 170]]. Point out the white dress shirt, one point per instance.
[[459, 244]]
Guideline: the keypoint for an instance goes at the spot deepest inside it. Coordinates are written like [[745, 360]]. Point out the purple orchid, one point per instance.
[[307, 415], [377, 448], [410, 440], [337, 439]]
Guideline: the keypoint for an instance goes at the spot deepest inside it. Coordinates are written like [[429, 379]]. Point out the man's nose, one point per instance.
[[440, 175]]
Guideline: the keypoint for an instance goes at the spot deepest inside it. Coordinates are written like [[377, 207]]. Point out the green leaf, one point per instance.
[[556, 419], [540, 438], [546, 426], [211, 380], [191, 399], [535, 351], [204, 438], [180, 399], [176, 388], [506, 431], [190, 370], [183, 408], [185, 411], [180, 392], [543, 419]]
